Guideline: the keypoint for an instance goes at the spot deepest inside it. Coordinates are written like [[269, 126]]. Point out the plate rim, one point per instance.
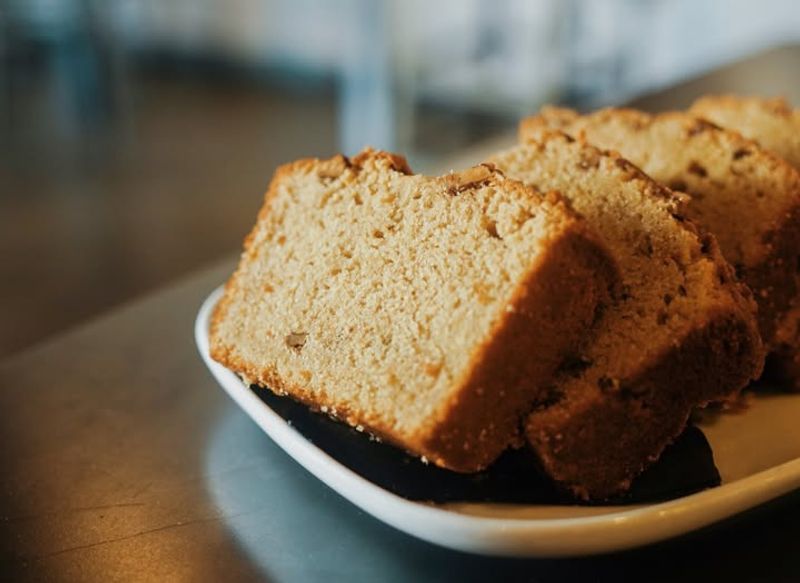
[[513, 537]]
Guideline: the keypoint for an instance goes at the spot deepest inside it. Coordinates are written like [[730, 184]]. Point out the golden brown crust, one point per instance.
[[776, 126], [549, 118], [630, 172], [560, 300], [465, 434], [597, 448], [596, 445], [601, 428], [368, 157], [775, 280], [770, 122], [774, 276]]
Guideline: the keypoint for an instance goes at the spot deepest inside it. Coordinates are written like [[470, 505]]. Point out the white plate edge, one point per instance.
[[524, 537]]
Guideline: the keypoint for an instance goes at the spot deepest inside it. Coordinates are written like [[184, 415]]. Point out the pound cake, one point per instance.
[[770, 122], [682, 333], [775, 126], [431, 312], [746, 196]]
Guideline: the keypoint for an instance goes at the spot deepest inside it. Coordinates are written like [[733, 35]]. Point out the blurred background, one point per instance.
[[137, 136]]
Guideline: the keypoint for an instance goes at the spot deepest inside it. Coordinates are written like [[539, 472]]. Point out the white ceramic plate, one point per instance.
[[757, 454]]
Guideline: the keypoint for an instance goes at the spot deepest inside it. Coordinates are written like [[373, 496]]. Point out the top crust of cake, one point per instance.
[[410, 306], [673, 275], [745, 195], [770, 122]]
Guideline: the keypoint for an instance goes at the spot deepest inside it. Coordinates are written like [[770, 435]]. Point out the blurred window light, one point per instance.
[[499, 57]]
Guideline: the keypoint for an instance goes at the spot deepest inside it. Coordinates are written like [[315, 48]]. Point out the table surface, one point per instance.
[[123, 460]]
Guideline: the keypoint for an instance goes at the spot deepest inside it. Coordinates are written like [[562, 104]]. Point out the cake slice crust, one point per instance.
[[775, 125], [682, 333], [411, 306], [746, 196]]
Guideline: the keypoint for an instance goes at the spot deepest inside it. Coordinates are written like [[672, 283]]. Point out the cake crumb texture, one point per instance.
[[682, 332], [431, 312]]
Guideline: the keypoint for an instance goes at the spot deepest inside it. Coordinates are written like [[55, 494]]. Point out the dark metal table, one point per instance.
[[123, 460]]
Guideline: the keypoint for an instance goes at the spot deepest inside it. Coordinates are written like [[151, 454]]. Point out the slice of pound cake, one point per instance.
[[682, 333], [746, 196], [775, 126], [431, 312], [773, 123]]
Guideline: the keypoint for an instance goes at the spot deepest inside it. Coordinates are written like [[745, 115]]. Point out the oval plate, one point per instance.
[[757, 454]]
